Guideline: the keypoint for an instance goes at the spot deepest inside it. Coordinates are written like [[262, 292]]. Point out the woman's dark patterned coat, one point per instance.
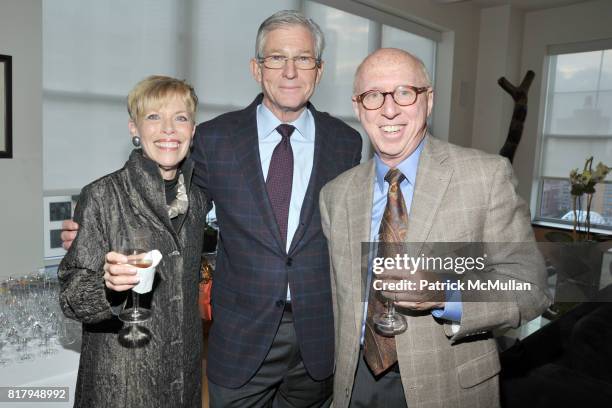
[[166, 372]]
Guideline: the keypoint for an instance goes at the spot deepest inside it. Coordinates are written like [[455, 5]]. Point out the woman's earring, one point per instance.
[[136, 141]]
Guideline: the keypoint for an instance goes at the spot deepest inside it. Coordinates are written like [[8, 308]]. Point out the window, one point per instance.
[[577, 125], [94, 52]]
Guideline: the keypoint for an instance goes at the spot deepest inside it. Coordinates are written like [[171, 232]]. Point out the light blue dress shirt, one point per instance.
[[408, 167], [302, 143]]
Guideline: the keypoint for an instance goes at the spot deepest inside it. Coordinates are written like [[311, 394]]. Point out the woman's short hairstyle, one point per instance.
[[287, 18], [157, 90]]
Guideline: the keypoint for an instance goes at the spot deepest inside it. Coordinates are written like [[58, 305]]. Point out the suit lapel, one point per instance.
[[432, 180], [359, 212], [320, 168], [246, 144]]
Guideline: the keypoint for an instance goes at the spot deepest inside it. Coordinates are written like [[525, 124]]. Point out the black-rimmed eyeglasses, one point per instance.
[[279, 61], [403, 95]]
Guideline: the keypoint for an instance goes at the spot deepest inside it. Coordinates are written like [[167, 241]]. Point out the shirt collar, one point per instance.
[[408, 167], [267, 123]]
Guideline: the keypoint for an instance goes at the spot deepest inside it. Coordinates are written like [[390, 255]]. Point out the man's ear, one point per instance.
[[255, 70], [430, 101], [319, 72], [356, 107]]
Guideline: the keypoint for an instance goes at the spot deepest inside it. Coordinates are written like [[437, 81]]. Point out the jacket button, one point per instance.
[[280, 303], [289, 261], [346, 392]]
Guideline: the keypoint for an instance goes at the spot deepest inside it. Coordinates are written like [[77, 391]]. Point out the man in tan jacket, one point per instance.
[[447, 357]]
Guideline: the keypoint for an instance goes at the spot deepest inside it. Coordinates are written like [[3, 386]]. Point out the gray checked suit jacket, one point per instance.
[[460, 195]]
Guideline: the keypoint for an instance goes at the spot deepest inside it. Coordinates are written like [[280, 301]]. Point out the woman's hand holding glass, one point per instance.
[[119, 275]]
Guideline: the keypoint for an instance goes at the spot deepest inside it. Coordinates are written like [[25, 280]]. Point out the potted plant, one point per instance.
[[577, 260], [584, 184]]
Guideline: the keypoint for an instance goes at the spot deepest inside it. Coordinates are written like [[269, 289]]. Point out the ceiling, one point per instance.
[[521, 4]]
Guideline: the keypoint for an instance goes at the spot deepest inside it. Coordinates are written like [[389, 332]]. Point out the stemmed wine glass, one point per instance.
[[388, 323], [135, 246], [25, 352], [3, 343]]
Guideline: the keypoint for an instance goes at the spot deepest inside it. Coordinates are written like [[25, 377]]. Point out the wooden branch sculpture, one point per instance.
[[519, 94]]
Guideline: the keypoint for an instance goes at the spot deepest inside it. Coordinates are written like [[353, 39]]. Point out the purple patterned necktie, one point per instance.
[[379, 351], [280, 178]]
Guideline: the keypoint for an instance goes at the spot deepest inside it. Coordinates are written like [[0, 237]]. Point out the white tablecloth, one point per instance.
[[57, 370]]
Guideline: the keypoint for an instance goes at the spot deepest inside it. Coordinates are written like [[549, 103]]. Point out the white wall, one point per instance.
[[578, 23], [499, 50], [21, 213]]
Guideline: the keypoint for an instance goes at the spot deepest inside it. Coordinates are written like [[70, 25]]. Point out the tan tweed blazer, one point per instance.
[[461, 195]]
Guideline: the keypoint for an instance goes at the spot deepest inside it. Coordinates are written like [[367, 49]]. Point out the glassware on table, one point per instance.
[[46, 343], [30, 318], [3, 360], [25, 351], [12, 335], [68, 332]]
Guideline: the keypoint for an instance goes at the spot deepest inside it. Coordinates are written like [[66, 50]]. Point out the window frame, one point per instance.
[[545, 134]]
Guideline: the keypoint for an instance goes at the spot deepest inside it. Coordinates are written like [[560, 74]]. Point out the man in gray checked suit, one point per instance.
[[447, 356]]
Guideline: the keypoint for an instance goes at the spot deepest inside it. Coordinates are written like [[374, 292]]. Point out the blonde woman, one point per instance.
[[153, 191]]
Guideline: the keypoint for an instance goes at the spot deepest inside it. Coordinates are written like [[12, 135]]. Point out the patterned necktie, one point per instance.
[[280, 179], [379, 351]]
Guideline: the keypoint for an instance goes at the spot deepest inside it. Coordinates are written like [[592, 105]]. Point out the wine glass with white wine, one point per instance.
[[389, 323], [135, 246]]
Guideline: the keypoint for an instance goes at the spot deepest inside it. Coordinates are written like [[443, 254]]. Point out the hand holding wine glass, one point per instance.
[[420, 297], [119, 275], [387, 323], [135, 249]]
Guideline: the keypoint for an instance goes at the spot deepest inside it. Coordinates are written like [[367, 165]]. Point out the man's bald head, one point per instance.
[[395, 129], [390, 57]]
